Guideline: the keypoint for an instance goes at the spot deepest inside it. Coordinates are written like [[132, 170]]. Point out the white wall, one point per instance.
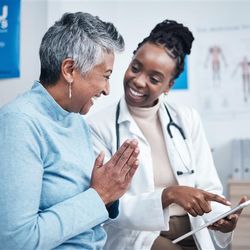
[[33, 26]]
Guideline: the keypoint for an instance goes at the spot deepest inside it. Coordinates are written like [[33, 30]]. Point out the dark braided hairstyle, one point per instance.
[[175, 37]]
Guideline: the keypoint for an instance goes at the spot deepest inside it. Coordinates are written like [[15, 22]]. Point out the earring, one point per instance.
[[70, 89], [165, 94]]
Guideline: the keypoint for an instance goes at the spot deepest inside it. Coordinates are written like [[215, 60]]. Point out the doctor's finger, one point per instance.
[[198, 209], [192, 208], [205, 205], [192, 212], [212, 228], [233, 218], [224, 225], [243, 199], [217, 198]]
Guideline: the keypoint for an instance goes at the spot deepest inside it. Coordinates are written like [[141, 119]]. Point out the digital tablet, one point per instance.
[[231, 211]]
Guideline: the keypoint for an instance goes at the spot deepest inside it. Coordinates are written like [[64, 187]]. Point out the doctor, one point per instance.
[[176, 187]]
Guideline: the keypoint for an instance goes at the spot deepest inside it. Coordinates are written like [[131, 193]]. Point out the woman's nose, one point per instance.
[[140, 81], [106, 89]]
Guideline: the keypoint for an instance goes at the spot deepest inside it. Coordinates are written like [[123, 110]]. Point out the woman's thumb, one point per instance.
[[99, 160]]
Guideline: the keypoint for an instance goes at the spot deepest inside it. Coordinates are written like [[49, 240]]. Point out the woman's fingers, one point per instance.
[[122, 156], [130, 163], [120, 152], [132, 171], [99, 160], [112, 180]]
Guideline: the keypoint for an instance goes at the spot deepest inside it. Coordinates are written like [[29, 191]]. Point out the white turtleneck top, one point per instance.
[[148, 121]]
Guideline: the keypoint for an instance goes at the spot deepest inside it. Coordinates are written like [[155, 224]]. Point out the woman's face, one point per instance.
[[149, 74], [92, 85]]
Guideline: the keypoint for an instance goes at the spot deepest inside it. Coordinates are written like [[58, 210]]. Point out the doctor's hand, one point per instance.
[[229, 223], [193, 200], [111, 180]]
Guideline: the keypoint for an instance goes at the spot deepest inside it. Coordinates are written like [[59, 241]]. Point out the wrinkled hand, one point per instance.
[[193, 200], [111, 180], [229, 223]]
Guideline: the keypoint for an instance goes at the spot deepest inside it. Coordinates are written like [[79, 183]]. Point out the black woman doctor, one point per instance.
[[176, 186]]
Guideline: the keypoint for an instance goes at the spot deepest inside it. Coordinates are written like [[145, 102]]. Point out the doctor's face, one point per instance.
[[149, 74]]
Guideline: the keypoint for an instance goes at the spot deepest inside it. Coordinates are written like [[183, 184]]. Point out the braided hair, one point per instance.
[[175, 37]]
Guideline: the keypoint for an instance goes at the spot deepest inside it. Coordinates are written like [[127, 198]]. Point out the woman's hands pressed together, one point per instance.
[[111, 180]]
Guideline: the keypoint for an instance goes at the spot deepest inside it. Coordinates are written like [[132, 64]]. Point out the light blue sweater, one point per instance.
[[46, 160]]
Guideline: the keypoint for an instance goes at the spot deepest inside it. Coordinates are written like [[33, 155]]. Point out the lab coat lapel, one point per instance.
[[130, 124], [142, 180]]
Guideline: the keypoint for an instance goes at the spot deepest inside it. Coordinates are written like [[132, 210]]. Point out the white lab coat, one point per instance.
[[141, 215]]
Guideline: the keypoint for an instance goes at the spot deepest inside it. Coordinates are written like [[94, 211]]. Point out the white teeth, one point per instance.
[[135, 93], [94, 98]]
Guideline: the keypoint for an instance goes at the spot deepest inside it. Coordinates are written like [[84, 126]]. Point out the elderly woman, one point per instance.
[[50, 197]]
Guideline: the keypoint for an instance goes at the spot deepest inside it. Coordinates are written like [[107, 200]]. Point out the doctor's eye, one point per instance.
[[154, 80], [135, 68]]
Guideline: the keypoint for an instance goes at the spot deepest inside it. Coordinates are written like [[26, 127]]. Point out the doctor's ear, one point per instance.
[[171, 84]]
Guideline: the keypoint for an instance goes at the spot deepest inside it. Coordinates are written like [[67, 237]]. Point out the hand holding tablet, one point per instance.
[[211, 222]]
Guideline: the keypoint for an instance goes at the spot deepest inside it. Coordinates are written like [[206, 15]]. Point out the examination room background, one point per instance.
[[225, 24]]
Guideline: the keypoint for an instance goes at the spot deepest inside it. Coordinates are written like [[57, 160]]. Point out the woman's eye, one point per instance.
[[154, 80], [107, 77], [135, 69]]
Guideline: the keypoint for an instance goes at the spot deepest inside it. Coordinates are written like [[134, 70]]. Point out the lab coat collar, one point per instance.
[[170, 107], [126, 117]]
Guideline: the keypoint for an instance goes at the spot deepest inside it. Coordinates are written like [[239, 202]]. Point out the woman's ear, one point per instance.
[[171, 84], [168, 87], [67, 68]]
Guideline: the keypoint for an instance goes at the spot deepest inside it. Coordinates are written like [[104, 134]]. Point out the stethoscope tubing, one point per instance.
[[171, 123]]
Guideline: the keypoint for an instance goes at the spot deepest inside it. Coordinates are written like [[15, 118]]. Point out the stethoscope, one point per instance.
[[186, 162]]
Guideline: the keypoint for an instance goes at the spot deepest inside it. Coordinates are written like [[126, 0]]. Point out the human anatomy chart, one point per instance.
[[222, 73]]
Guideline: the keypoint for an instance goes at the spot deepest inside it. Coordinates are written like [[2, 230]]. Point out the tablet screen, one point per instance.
[[231, 211]]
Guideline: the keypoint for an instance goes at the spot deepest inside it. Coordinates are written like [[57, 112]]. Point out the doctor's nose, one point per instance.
[[140, 81]]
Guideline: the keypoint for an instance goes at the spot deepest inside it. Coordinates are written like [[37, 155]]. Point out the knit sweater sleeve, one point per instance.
[[22, 224]]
